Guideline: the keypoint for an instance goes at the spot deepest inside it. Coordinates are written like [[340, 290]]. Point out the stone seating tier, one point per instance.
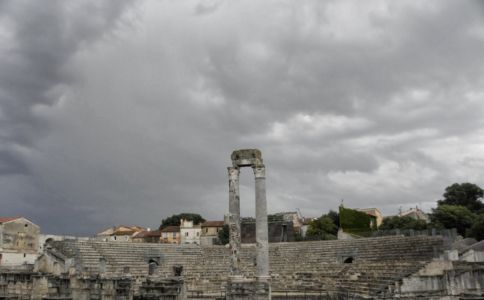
[[377, 262]]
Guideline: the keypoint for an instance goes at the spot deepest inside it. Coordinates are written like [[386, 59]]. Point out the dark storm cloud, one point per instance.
[[37, 39], [377, 103]]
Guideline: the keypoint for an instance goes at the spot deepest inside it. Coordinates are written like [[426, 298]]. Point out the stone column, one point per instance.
[[234, 220], [262, 236]]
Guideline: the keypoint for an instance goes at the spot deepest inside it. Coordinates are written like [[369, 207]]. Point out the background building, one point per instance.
[[19, 241], [279, 231], [415, 213], [210, 231], [375, 212], [147, 236], [121, 233], [189, 233], [170, 235]]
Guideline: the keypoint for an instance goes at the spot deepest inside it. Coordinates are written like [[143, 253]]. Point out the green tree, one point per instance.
[[452, 216], [477, 229], [464, 194], [224, 235], [322, 228], [175, 219], [335, 217], [402, 223]]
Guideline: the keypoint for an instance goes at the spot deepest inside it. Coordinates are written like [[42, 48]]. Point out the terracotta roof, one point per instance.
[[171, 229], [8, 219], [145, 234], [213, 224], [127, 232]]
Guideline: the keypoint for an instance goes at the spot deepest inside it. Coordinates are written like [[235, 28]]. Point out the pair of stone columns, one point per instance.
[[248, 158]]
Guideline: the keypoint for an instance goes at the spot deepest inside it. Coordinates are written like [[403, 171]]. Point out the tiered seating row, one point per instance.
[[377, 262]]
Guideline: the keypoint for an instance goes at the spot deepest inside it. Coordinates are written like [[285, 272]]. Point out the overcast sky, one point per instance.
[[126, 112]]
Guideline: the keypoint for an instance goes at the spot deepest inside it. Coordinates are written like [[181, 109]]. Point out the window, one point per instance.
[[198, 233], [186, 233], [174, 235], [25, 255]]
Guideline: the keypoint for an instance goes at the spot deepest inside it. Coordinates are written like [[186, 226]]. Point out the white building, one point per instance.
[[189, 233]]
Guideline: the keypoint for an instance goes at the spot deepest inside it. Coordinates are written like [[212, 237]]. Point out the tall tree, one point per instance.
[[174, 220], [464, 194], [322, 228], [397, 222], [477, 229], [224, 235], [335, 217], [453, 216]]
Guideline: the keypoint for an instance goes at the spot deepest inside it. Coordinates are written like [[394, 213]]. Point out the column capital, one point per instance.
[[233, 172], [259, 171]]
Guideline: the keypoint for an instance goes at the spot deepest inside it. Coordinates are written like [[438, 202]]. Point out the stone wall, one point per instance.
[[19, 242], [20, 235], [444, 279], [282, 231]]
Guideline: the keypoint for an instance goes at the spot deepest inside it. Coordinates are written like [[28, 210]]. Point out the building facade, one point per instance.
[[189, 233], [19, 241], [415, 213], [147, 236], [210, 230], [170, 235]]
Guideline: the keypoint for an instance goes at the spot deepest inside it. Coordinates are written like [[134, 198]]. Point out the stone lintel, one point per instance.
[[246, 158]]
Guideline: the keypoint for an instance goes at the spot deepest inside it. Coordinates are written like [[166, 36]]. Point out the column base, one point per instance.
[[264, 278], [263, 287], [241, 288]]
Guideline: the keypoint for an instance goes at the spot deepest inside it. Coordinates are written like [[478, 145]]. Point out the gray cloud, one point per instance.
[[132, 119]]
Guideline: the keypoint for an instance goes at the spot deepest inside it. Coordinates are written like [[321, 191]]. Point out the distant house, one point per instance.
[[170, 235], [210, 231], [375, 212], [147, 236], [415, 213], [19, 241], [291, 216], [121, 233], [189, 233]]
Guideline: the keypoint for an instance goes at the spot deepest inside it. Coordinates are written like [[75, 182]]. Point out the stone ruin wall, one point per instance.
[[379, 267]]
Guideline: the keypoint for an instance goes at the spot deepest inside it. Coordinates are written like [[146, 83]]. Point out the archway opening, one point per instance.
[[152, 267], [348, 260]]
